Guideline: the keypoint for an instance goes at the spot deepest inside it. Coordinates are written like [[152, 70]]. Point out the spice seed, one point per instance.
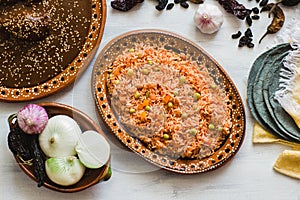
[[170, 6], [250, 45], [255, 17], [248, 33], [236, 35], [184, 4], [255, 10], [249, 20]]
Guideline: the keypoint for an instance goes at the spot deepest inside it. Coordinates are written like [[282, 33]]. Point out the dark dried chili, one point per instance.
[[38, 161], [263, 3], [26, 147], [197, 1], [18, 142], [278, 19], [235, 8], [289, 2], [124, 5]]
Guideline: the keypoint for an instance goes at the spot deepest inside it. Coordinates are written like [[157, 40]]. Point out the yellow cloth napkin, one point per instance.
[[288, 162]]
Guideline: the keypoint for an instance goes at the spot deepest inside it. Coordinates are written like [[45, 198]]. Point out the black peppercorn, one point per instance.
[[249, 20], [236, 35], [255, 10], [250, 45], [184, 4], [248, 33], [170, 6]]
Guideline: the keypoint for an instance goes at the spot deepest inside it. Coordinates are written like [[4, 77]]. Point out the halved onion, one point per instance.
[[93, 150]]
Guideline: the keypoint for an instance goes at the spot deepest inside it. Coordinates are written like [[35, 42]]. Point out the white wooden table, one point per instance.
[[248, 176]]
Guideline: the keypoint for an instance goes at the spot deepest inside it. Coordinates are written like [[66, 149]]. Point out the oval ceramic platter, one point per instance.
[[35, 69], [147, 146]]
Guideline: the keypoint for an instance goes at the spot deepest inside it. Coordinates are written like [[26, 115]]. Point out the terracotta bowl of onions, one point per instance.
[[59, 147]]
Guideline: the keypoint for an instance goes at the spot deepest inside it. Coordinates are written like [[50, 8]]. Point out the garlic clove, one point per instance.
[[60, 136], [64, 170], [208, 18], [32, 119]]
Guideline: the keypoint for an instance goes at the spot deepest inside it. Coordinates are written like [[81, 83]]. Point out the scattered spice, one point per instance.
[[248, 33], [246, 39], [161, 4], [278, 19], [249, 20], [255, 17], [184, 4], [170, 6], [235, 8], [236, 35], [255, 10]]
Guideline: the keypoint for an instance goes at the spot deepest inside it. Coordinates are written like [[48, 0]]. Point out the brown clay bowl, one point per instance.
[[91, 176]]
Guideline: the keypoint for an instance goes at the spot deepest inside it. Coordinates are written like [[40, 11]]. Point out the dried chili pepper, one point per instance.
[[289, 2], [278, 19], [124, 5], [235, 8], [18, 141], [197, 1], [263, 3], [38, 161], [26, 147]]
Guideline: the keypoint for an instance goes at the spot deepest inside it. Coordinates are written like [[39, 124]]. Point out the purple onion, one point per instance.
[[32, 119]]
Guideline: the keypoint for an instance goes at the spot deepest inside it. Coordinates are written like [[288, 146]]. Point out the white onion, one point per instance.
[[64, 170], [60, 136]]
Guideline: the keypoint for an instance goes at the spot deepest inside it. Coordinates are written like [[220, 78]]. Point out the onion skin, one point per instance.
[[32, 119]]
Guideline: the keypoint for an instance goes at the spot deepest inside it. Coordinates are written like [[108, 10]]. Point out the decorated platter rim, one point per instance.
[[184, 166]]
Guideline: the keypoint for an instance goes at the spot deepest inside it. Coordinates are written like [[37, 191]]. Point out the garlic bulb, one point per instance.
[[64, 170], [208, 18], [60, 136], [32, 119]]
